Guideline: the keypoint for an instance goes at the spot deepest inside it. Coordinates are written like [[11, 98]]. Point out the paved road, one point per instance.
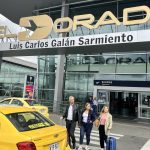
[[135, 135], [95, 137], [146, 146], [130, 135]]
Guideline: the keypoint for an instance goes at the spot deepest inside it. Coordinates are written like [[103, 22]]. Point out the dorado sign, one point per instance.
[[37, 39], [45, 23]]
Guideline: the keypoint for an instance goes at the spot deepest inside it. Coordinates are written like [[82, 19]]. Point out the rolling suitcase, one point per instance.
[[111, 144]]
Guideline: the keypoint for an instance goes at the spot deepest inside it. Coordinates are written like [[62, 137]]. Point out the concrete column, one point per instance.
[[59, 80]]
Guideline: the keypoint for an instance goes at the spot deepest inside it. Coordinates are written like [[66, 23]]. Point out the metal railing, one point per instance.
[[59, 107]]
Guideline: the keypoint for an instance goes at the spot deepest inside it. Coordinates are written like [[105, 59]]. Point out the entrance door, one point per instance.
[[116, 102], [102, 97], [124, 104]]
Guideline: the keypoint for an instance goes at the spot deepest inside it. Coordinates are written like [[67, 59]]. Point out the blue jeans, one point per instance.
[[85, 128]]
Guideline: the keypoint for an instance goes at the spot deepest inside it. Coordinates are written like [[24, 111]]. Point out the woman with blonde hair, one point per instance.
[[104, 125]]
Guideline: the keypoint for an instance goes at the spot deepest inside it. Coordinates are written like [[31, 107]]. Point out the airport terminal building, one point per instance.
[[95, 48], [12, 76], [118, 79]]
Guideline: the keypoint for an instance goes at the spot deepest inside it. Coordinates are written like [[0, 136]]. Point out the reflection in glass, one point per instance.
[[145, 113], [131, 63]]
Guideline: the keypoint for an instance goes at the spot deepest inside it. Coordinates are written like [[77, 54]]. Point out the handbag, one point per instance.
[[97, 122]]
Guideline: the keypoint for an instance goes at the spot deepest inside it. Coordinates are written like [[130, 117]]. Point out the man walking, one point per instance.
[[71, 116], [94, 104]]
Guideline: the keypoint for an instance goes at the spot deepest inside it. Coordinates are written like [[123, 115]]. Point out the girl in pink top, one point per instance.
[[105, 124], [103, 119]]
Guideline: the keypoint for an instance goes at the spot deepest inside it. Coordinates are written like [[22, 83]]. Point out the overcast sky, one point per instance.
[[14, 28], [32, 59]]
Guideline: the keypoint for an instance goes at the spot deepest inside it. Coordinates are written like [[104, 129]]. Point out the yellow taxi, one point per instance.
[[25, 129], [26, 102]]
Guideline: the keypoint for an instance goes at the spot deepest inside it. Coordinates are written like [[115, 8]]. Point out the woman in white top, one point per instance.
[[86, 123]]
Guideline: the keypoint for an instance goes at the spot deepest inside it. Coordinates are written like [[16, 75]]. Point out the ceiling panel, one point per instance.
[[15, 9]]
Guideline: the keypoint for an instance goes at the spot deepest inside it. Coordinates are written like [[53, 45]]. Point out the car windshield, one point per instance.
[[32, 102], [27, 121]]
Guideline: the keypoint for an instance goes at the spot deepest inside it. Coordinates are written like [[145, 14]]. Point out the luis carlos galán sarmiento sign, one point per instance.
[[44, 25]]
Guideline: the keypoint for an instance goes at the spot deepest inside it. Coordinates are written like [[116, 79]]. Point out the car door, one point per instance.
[[16, 102]]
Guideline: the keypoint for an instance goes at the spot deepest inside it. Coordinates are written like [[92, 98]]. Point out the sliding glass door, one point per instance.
[[144, 106]]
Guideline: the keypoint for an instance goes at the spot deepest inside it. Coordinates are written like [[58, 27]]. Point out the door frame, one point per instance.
[[138, 90]]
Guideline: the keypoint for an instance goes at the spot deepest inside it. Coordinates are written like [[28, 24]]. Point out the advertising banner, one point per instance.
[[29, 86]]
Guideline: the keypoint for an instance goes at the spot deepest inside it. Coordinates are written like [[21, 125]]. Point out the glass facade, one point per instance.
[[46, 79], [82, 70], [12, 77], [145, 105]]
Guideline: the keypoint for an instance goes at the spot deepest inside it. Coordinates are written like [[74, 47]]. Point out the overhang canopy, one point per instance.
[[16, 9]]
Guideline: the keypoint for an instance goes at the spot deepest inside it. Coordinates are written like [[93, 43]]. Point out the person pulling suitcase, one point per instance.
[[104, 124]]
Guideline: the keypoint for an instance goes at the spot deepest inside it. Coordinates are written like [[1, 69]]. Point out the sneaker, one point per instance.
[[80, 148], [87, 148], [102, 148]]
